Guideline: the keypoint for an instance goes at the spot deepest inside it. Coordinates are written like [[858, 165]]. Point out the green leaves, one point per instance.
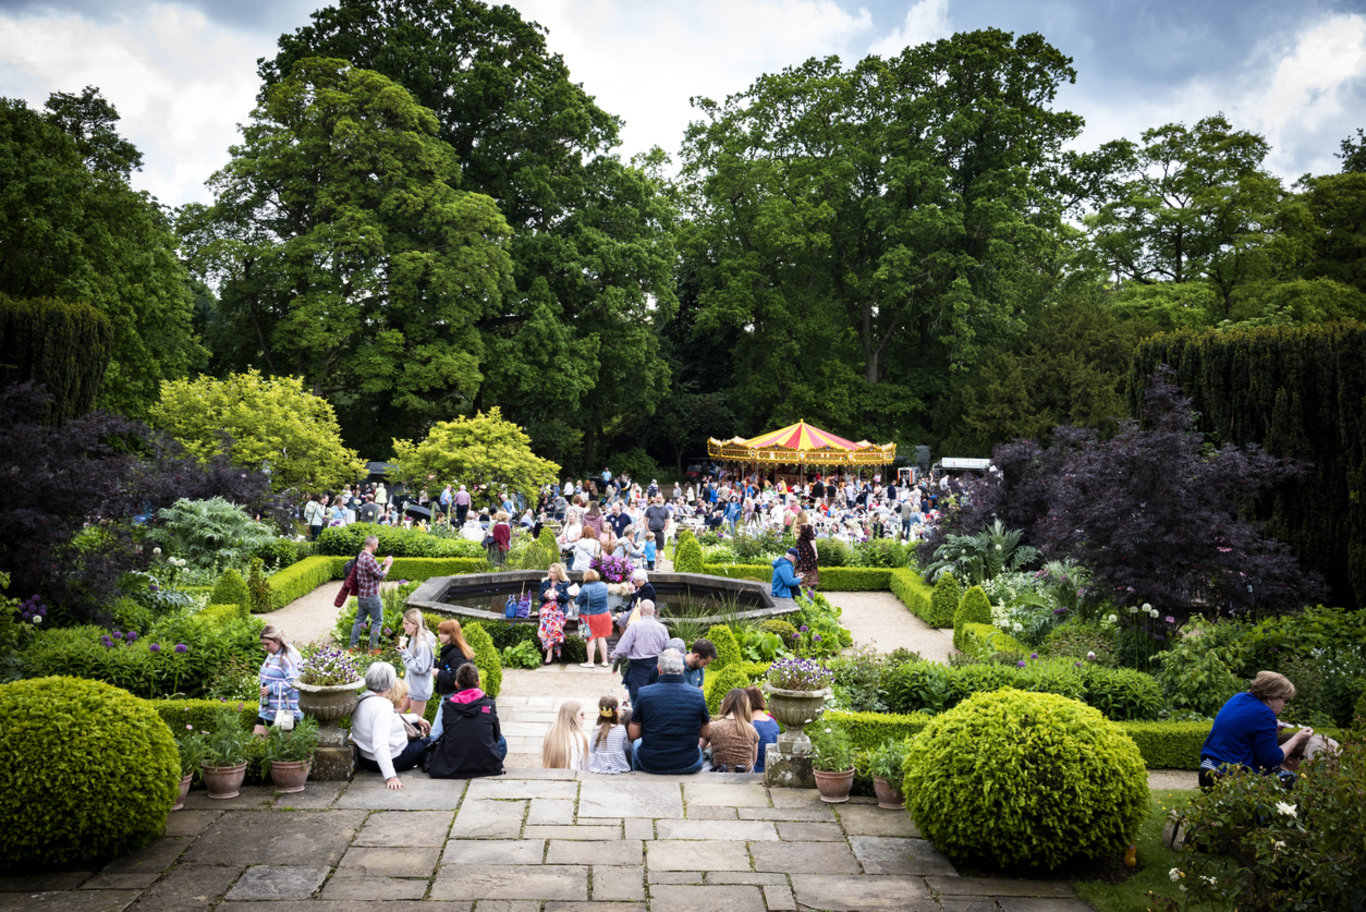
[[485, 450]]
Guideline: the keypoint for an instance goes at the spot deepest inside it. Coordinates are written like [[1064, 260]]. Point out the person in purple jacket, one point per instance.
[[1244, 732]]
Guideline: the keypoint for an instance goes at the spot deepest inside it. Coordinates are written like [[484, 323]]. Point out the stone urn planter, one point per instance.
[[184, 790], [224, 781], [796, 709], [329, 702], [289, 775], [834, 786], [888, 797]]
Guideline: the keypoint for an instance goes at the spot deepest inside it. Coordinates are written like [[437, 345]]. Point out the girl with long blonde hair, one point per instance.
[[418, 649], [565, 745]]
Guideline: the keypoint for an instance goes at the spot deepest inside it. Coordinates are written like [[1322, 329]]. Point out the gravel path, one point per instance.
[[310, 618], [879, 620]]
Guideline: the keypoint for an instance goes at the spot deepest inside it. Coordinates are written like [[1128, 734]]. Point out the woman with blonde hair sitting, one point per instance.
[[565, 745]]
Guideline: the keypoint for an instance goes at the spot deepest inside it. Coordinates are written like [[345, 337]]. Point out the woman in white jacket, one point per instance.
[[378, 732]]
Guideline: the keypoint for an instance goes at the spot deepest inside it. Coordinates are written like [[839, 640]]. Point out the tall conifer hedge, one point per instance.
[[63, 345], [1299, 391]]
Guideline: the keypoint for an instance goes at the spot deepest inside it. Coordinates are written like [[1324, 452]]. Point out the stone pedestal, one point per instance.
[[783, 769], [335, 758]]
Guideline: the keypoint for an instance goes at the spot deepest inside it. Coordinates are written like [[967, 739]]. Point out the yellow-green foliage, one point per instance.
[[720, 683], [200, 713], [297, 580], [1025, 781], [689, 556], [1168, 745], [944, 601], [87, 772], [486, 657], [974, 608], [231, 589], [421, 568], [908, 586], [833, 579], [258, 589], [727, 647], [985, 640], [868, 730], [219, 614]]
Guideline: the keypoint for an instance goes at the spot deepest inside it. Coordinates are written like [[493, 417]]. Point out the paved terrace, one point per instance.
[[534, 841]]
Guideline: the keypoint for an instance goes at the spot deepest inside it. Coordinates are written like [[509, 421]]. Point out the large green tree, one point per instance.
[[260, 422], [571, 352], [484, 451], [72, 228], [345, 254], [860, 233]]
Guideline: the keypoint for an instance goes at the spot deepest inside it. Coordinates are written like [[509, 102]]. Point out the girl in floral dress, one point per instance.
[[554, 592]]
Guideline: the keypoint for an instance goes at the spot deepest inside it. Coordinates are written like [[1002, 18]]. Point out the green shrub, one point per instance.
[[87, 772], [719, 683], [974, 608], [231, 589], [347, 541], [486, 657], [833, 579], [423, 568], [784, 631], [880, 552], [258, 589], [914, 687], [913, 591], [986, 641], [1122, 694], [727, 647], [689, 556], [1079, 638], [867, 730], [944, 601], [1195, 673], [299, 579], [201, 714], [1025, 781], [833, 553], [280, 553], [1168, 745], [209, 533]]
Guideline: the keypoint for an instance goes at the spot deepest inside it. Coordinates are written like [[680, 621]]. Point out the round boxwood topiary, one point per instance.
[[944, 601], [689, 556], [486, 658], [975, 608], [87, 772], [1025, 781], [785, 631], [720, 683]]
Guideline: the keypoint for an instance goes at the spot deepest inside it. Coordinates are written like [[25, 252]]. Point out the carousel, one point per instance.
[[786, 454]]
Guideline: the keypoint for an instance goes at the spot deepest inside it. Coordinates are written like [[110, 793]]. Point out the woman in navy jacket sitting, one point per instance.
[[1244, 732]]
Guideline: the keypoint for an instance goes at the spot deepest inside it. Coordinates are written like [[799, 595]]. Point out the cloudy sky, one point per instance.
[[182, 72]]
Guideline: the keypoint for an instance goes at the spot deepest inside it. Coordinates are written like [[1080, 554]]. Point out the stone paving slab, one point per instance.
[[615, 852], [582, 832], [249, 798], [139, 870], [315, 796], [419, 793], [689, 855], [813, 814], [54, 882], [718, 794], [489, 819], [187, 822], [745, 877], [744, 830], [1035, 904], [355, 905], [374, 888], [278, 882], [851, 893], [968, 904], [894, 855], [495, 851], [595, 907], [807, 857], [390, 861], [508, 905], [710, 812], [619, 797], [551, 812], [68, 901], [306, 837], [504, 787], [188, 887], [544, 882], [692, 898], [1000, 886], [613, 883], [405, 828], [871, 820]]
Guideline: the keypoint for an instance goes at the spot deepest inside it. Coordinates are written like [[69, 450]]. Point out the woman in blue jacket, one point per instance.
[[1244, 732], [592, 601]]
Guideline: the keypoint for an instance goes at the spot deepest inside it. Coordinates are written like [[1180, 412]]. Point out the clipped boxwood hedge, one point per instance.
[[716, 685], [423, 568], [231, 589], [727, 647], [944, 601], [869, 730], [347, 541], [198, 713], [298, 580], [833, 579], [87, 772], [975, 608], [913, 591]]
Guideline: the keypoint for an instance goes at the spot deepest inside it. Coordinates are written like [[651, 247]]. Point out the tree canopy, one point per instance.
[[272, 424], [486, 450]]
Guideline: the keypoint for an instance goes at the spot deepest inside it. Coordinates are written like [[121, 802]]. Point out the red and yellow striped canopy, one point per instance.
[[801, 444], [800, 436]]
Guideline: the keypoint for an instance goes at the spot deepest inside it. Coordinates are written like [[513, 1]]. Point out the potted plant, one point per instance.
[[832, 762], [224, 753], [191, 747], [797, 689], [290, 753], [885, 764], [329, 685]]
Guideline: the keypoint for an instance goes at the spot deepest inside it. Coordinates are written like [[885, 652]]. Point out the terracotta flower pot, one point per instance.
[[224, 781], [887, 797], [834, 787], [184, 790], [329, 702], [289, 775]]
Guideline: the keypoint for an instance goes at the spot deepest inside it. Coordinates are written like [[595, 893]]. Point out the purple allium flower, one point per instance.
[[118, 635], [1033, 655], [1078, 664], [132, 636], [803, 628], [1020, 664], [1169, 619], [817, 638], [106, 641], [155, 647], [387, 631], [181, 647]]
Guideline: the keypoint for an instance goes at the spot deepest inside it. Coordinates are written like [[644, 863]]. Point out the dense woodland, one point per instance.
[[425, 217]]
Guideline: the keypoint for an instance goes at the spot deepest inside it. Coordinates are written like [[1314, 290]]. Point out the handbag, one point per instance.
[[412, 731], [510, 607], [284, 719]]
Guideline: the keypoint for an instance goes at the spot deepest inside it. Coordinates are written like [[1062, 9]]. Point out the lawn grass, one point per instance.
[[1155, 861]]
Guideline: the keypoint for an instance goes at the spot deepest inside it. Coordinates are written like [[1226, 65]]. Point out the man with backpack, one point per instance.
[[368, 574]]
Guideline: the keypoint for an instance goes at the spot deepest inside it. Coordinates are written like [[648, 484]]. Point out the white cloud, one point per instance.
[[180, 82], [926, 20], [643, 61]]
